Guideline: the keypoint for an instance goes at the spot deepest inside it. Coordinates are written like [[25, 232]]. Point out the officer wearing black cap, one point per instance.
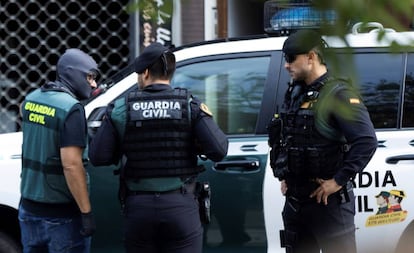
[[158, 131], [327, 137]]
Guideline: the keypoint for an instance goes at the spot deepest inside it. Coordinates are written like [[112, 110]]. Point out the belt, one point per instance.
[[303, 197], [179, 190], [306, 187], [186, 188]]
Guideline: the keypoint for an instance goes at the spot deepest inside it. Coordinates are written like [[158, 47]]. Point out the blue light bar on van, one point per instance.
[[282, 18], [302, 17]]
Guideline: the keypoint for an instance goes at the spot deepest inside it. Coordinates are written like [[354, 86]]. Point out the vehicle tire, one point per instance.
[[8, 245]]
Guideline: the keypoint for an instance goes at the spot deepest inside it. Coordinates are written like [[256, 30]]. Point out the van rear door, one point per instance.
[[386, 83]]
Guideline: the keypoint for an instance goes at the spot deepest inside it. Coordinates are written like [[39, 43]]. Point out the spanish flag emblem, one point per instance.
[[354, 101]]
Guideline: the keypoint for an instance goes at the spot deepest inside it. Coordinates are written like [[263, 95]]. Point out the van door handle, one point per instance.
[[238, 166], [397, 158]]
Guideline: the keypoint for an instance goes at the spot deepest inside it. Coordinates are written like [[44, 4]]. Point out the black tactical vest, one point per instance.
[[158, 140], [311, 152]]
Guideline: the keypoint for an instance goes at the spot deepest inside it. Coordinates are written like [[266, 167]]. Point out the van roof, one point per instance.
[[267, 43]]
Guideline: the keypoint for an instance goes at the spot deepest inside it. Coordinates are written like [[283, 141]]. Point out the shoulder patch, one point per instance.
[[205, 109]]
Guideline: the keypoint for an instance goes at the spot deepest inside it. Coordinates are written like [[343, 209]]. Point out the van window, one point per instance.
[[408, 106], [380, 77], [231, 88]]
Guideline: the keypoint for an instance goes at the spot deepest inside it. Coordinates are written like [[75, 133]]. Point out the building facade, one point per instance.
[[35, 33]]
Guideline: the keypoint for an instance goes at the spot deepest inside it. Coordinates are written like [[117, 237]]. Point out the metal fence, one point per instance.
[[34, 33]]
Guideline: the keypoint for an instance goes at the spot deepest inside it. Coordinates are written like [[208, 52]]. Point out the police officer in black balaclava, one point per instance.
[[71, 69], [55, 212]]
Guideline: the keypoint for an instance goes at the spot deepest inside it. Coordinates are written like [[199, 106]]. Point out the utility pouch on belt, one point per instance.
[[122, 193], [295, 159], [122, 190], [313, 161], [203, 194], [287, 239], [278, 154], [344, 193]]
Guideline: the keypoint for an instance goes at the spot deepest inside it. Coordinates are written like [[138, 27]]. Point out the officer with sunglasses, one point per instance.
[[326, 138]]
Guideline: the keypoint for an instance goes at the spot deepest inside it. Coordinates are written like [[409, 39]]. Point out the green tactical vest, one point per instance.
[[42, 178]]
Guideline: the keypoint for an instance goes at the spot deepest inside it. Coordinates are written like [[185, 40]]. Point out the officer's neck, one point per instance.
[[315, 74], [151, 81]]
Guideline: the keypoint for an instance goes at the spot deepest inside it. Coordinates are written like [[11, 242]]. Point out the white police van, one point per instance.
[[243, 82]]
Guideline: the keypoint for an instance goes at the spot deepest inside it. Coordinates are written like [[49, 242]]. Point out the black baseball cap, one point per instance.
[[383, 193], [302, 41], [149, 56]]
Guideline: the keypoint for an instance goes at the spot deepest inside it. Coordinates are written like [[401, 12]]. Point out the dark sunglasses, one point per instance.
[[289, 58]]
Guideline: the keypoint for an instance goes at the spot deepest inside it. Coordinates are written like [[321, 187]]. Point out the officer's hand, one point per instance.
[[326, 188], [283, 187], [88, 224]]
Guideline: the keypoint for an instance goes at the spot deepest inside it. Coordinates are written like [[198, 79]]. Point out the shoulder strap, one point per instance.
[[293, 97], [330, 87], [184, 92]]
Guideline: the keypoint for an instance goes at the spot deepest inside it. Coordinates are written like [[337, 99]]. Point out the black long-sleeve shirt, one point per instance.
[[105, 146]]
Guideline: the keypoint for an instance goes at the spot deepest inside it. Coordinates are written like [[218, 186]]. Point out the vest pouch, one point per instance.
[[333, 159], [53, 165], [55, 185], [314, 161], [323, 162], [280, 168], [296, 160]]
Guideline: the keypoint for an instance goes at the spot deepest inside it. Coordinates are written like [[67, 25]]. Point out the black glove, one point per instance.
[[88, 224]]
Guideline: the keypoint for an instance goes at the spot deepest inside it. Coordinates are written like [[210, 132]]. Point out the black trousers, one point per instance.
[[311, 227], [162, 222]]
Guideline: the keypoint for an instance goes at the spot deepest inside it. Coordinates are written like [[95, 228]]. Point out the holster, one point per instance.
[[122, 193], [344, 192], [203, 194], [278, 152], [123, 189]]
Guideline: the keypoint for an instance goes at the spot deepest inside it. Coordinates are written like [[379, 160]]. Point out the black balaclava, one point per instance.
[[72, 69]]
